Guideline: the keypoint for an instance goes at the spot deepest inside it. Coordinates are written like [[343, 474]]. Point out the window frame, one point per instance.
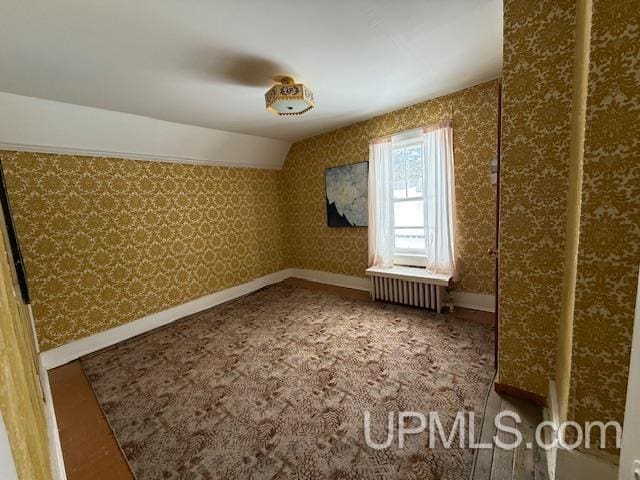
[[407, 256]]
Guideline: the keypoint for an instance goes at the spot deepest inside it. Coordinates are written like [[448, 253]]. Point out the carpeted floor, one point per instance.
[[275, 386]]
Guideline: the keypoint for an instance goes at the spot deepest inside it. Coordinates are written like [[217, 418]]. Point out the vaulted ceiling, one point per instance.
[[208, 63]]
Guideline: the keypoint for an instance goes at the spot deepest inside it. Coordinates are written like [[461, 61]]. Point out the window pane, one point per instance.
[[399, 169], [414, 161], [414, 171], [408, 214], [409, 238], [414, 187], [407, 169], [400, 189]]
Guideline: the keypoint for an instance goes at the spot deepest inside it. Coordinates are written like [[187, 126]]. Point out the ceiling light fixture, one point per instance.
[[289, 98]]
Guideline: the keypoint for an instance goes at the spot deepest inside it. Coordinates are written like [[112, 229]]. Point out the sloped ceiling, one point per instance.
[[208, 63]]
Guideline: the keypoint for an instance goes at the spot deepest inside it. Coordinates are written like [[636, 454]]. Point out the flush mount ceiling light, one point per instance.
[[289, 98]]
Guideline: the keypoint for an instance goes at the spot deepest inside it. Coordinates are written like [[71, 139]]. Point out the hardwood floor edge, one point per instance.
[[106, 419]]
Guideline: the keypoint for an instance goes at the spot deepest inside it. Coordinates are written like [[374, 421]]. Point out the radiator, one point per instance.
[[418, 293]]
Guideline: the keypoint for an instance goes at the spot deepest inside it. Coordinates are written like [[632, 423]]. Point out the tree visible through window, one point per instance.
[[408, 199]]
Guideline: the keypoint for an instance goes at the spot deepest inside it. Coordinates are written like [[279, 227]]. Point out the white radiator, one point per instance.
[[419, 291]]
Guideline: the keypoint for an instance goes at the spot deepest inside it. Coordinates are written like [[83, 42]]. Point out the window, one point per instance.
[[408, 202], [412, 204]]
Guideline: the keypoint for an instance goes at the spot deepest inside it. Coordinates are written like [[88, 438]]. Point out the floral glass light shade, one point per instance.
[[289, 98]]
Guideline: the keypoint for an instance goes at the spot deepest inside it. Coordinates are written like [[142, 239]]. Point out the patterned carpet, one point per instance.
[[275, 386]]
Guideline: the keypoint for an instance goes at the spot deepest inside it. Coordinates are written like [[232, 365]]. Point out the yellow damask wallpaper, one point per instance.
[[536, 125], [313, 245], [537, 91], [107, 241], [609, 247], [21, 401]]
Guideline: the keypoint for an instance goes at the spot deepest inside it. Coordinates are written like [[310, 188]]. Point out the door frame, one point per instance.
[[496, 251]]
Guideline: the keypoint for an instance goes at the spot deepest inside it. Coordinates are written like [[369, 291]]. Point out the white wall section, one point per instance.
[[7, 465], [630, 454], [209, 63], [33, 124]]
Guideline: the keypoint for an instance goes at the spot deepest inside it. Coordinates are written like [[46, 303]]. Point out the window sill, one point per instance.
[[410, 260], [414, 274]]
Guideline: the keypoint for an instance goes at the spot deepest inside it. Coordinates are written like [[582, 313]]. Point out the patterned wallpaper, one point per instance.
[[609, 248], [536, 124], [107, 241], [21, 402], [313, 245], [537, 89]]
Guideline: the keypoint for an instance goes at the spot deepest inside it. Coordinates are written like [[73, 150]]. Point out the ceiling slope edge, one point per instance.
[[38, 125]]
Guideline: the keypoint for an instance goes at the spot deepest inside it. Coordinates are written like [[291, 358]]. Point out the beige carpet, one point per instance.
[[275, 386]]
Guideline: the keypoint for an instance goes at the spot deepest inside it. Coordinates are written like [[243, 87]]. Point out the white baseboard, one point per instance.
[[55, 448], [474, 301], [56, 460], [78, 348], [337, 279], [552, 414], [573, 464]]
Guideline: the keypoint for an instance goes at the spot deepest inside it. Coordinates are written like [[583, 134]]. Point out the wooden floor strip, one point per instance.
[[484, 457], [89, 449], [527, 461], [502, 467]]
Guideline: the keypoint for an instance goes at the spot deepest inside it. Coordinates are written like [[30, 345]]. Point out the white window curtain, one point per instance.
[[380, 204], [440, 199], [439, 195]]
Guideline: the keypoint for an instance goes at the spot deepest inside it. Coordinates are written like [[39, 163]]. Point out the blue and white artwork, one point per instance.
[[346, 188]]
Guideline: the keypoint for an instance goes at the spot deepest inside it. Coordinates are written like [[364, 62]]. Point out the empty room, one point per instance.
[[357, 240]]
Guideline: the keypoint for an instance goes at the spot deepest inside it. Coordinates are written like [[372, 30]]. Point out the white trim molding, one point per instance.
[[55, 447], [78, 348], [37, 125], [56, 460], [87, 152], [337, 279], [551, 414], [411, 274], [630, 452], [474, 301], [566, 464]]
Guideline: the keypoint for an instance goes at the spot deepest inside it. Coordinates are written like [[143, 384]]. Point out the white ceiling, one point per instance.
[[208, 63]]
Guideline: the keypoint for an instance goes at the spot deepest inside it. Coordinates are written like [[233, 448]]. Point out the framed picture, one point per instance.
[[346, 195]]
